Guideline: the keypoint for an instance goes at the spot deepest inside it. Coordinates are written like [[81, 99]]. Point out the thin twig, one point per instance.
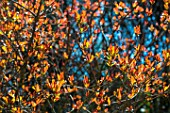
[[79, 87], [116, 102], [53, 110]]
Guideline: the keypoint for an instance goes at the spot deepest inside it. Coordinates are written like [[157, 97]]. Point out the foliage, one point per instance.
[[83, 55]]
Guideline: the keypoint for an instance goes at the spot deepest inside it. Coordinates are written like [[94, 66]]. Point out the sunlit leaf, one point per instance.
[[98, 108], [166, 88], [60, 76], [71, 79], [4, 48], [132, 80], [33, 104], [149, 12], [79, 103], [86, 82], [14, 109], [135, 4], [119, 94], [137, 30], [133, 92], [152, 1], [5, 99], [90, 57], [65, 55], [36, 88], [158, 66], [147, 89], [11, 93], [109, 101], [1, 33]]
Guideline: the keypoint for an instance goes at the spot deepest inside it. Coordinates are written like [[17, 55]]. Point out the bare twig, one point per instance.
[[53, 110], [24, 8], [79, 87]]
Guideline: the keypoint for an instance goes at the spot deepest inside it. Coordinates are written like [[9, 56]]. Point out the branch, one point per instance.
[[36, 18], [24, 8], [115, 102], [79, 87]]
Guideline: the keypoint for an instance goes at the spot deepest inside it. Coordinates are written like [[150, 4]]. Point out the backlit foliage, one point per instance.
[[83, 55]]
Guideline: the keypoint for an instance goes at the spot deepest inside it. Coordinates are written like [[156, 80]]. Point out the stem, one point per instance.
[[53, 110]]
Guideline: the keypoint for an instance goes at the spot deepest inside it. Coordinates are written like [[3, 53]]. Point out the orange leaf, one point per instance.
[[33, 104], [65, 55], [158, 66], [71, 79], [98, 108], [137, 30], [86, 82], [108, 78], [147, 89], [152, 1], [60, 76], [119, 95], [90, 57], [36, 88], [158, 58], [5, 99], [132, 80], [135, 4], [132, 93]]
